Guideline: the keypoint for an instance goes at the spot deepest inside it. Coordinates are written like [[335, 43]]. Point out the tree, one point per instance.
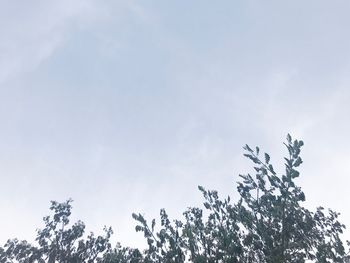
[[58, 241], [267, 224]]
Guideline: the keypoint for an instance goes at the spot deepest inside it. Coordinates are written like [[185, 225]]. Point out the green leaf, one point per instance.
[[207, 205], [246, 147], [153, 224], [297, 162], [253, 158]]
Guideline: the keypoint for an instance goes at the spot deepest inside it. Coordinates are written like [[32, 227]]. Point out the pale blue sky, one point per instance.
[[126, 106]]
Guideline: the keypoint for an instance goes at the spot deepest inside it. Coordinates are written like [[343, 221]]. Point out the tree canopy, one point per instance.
[[266, 224]]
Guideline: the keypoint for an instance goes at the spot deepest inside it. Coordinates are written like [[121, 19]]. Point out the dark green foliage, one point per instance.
[[267, 224], [58, 241], [123, 254]]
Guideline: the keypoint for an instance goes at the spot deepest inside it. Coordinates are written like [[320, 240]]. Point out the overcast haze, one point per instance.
[[126, 106]]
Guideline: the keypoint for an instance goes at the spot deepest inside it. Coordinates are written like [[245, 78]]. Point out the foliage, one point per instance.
[[267, 224], [58, 241]]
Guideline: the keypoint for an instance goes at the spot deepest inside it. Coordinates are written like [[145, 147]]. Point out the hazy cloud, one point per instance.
[[127, 106]]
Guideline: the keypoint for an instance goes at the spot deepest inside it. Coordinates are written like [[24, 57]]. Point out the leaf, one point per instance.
[[246, 147], [153, 224], [301, 143], [138, 228], [289, 163], [253, 158], [267, 158], [294, 174], [207, 205], [201, 188], [297, 162], [134, 216]]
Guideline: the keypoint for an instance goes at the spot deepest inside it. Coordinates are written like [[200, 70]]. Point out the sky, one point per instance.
[[128, 106]]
